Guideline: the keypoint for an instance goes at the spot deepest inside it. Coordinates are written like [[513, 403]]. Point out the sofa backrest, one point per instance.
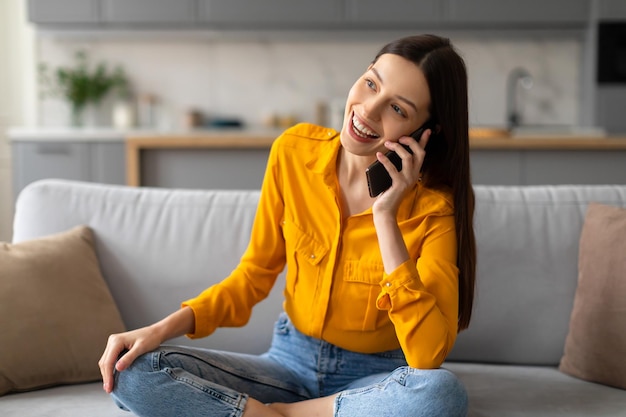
[[158, 247], [527, 272]]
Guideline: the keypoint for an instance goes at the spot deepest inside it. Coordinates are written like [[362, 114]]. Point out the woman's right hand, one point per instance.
[[135, 343], [140, 341]]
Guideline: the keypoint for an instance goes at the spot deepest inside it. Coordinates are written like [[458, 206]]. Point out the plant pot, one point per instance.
[[78, 116], [87, 115]]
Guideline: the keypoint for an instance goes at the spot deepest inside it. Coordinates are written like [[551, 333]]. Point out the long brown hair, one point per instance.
[[447, 156]]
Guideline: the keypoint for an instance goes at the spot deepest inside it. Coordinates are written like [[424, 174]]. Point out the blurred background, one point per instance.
[[195, 64]]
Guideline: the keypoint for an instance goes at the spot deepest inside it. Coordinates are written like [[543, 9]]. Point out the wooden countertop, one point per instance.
[[263, 139], [242, 139], [555, 143]]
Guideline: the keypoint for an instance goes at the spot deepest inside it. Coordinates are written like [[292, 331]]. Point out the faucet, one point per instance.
[[517, 77]]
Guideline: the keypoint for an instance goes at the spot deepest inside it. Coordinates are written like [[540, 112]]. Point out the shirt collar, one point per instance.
[[324, 163]]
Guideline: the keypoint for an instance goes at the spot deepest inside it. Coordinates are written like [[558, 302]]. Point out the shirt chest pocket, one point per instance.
[[358, 291], [304, 260]]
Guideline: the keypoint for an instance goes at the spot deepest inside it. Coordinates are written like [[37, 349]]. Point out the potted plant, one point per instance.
[[82, 85]]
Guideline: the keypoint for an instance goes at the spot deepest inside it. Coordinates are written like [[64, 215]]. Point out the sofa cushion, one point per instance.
[[55, 311], [523, 391], [596, 340]]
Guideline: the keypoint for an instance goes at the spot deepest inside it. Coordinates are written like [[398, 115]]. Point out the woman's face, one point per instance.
[[389, 101]]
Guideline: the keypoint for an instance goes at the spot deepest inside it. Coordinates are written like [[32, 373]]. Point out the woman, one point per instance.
[[377, 288]]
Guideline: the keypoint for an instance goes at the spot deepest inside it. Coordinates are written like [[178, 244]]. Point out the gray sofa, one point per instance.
[[157, 247]]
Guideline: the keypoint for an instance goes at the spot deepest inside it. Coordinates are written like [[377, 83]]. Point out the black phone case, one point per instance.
[[378, 179]]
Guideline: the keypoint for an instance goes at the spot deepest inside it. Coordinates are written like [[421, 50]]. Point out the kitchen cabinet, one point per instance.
[[274, 14], [612, 10], [98, 14], [539, 167], [496, 167], [376, 12], [610, 105], [149, 11], [63, 11], [83, 161], [244, 168], [525, 13], [226, 169], [238, 159], [311, 15], [574, 167]]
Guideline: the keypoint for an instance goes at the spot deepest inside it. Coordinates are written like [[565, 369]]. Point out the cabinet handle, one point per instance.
[[53, 149]]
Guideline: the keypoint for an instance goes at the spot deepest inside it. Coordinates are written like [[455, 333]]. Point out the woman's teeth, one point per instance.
[[363, 131]]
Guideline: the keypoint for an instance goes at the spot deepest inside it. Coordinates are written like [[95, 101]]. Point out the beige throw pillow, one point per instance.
[[56, 311], [596, 342]]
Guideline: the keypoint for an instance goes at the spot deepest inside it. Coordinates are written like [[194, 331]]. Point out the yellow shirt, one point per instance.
[[336, 287]]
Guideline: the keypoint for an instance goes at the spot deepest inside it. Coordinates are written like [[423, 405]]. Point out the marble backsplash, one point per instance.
[[253, 80]]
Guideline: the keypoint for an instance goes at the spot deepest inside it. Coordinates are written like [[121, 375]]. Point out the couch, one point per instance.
[[156, 247]]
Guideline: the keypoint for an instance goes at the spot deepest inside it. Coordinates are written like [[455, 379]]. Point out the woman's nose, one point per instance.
[[373, 108]]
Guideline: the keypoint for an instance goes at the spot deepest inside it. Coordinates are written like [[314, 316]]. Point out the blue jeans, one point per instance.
[[182, 381]]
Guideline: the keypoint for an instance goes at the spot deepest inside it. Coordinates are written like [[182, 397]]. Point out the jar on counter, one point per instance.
[[147, 105], [123, 114]]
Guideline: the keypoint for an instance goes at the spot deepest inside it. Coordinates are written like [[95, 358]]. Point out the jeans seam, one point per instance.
[[234, 401], [275, 383], [238, 402]]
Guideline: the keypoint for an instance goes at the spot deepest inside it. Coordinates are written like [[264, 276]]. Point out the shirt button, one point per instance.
[[330, 133], [312, 256], [388, 284]]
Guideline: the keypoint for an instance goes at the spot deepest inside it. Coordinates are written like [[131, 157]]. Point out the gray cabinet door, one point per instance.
[[35, 161], [394, 11], [575, 167], [612, 10], [540, 167], [108, 162], [149, 11], [82, 161], [63, 11], [528, 12], [275, 13], [493, 167], [610, 105], [225, 169]]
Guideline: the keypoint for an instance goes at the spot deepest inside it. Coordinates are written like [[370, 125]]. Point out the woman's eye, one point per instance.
[[370, 84], [397, 110]]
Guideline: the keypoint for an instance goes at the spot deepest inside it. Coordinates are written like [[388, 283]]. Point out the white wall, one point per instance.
[[17, 95], [251, 79]]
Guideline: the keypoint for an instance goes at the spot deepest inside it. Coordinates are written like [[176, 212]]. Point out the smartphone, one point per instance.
[[378, 179]]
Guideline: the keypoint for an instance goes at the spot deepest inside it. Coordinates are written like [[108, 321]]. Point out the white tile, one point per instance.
[[250, 79]]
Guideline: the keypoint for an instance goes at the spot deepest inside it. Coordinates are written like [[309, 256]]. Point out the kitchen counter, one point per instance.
[[67, 134], [496, 158], [551, 142], [236, 158], [260, 137], [56, 134]]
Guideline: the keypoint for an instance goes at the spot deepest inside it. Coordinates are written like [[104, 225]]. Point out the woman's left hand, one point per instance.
[[390, 199]]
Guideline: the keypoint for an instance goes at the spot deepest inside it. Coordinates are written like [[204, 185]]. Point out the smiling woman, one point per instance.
[[376, 288], [394, 90]]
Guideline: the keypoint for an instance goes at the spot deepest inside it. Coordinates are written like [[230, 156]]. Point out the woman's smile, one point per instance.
[[360, 131]]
